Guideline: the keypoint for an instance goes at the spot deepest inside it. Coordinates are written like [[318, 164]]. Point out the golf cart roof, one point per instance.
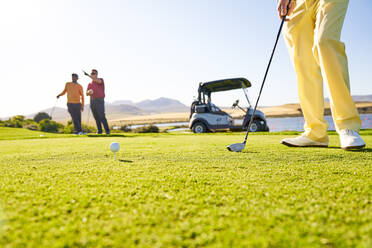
[[224, 85]]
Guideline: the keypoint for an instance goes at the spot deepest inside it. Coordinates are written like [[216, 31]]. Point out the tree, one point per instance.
[[19, 118], [15, 121], [47, 125], [41, 116]]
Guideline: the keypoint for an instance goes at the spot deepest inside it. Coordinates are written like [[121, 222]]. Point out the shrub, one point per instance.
[[33, 127], [17, 118], [69, 128], [125, 128], [47, 125], [15, 121], [19, 121], [29, 121], [41, 116], [88, 129], [147, 129]]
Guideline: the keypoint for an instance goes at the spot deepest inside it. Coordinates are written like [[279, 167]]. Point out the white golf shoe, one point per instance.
[[302, 141], [350, 139]]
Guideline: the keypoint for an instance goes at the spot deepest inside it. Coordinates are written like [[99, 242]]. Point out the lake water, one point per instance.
[[297, 123], [279, 124]]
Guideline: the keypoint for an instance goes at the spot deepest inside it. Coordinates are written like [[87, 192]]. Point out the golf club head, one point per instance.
[[237, 147], [85, 73]]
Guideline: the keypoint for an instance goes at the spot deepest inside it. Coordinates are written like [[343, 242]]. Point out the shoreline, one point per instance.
[[282, 111]]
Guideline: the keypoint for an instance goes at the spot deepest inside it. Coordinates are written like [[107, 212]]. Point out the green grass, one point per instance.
[[181, 190]]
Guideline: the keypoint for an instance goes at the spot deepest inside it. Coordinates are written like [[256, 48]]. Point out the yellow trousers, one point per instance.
[[313, 39]]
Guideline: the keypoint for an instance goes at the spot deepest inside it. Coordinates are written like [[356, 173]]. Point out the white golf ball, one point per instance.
[[114, 147]]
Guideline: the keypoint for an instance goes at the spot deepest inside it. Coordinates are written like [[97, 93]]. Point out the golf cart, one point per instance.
[[205, 116]]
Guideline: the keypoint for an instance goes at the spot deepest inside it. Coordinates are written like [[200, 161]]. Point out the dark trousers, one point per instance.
[[97, 106], [75, 111]]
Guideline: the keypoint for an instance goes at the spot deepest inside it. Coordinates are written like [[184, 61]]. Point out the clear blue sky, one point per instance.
[[145, 49]]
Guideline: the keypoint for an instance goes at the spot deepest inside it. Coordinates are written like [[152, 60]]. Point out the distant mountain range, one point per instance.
[[161, 104], [123, 108]]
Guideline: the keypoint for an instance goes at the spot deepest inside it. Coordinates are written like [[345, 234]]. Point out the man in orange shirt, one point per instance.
[[75, 101]]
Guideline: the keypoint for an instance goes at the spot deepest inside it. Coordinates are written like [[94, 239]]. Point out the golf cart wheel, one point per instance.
[[199, 128], [255, 126]]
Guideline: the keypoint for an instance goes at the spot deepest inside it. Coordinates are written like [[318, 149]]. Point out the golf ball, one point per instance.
[[114, 147]]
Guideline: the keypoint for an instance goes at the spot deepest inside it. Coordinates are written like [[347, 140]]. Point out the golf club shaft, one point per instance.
[[267, 71], [88, 116], [52, 112], [88, 119]]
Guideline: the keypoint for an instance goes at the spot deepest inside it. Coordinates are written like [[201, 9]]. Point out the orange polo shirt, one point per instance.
[[74, 92]]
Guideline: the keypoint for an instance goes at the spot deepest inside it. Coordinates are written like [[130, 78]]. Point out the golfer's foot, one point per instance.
[[303, 141], [80, 133], [350, 139], [99, 133]]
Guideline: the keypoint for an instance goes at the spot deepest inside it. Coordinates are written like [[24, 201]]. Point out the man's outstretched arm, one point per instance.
[[63, 92], [96, 80]]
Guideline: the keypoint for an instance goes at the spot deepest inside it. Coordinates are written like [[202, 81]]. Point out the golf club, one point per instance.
[[238, 147], [88, 120], [52, 111], [85, 73]]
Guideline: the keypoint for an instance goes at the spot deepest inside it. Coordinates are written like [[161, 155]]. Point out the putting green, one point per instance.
[[181, 190]]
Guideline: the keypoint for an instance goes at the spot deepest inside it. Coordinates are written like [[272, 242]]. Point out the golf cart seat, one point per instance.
[[209, 108], [202, 108], [216, 110]]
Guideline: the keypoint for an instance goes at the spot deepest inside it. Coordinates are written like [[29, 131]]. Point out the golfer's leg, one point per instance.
[[101, 113], [71, 110], [104, 120], [93, 105], [78, 115], [105, 124], [332, 58], [299, 36], [75, 117]]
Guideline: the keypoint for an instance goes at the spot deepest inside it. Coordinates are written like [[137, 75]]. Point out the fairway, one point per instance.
[[181, 190]]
